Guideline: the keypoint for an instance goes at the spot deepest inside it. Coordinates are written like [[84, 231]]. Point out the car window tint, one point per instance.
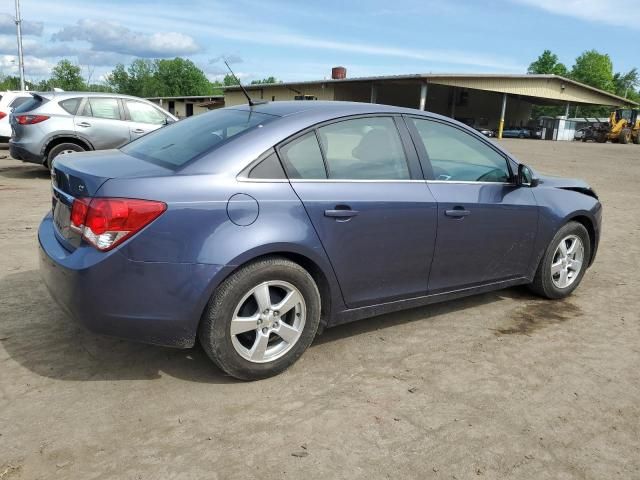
[[144, 113], [269, 168], [364, 149], [70, 105], [19, 101], [176, 144], [458, 156], [303, 159], [103, 108]]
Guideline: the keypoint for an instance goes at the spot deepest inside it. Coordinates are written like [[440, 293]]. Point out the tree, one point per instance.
[[270, 79], [66, 75], [594, 69], [548, 63], [180, 76], [626, 84], [229, 80]]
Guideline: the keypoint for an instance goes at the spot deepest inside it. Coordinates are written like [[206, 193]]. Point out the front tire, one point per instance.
[[564, 262], [261, 319]]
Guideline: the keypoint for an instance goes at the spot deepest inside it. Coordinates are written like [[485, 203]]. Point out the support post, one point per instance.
[[423, 96], [453, 103], [374, 93], [502, 113], [20, 53], [566, 112]]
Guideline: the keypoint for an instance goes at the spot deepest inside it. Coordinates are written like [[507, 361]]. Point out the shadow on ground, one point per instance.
[[26, 171], [40, 337]]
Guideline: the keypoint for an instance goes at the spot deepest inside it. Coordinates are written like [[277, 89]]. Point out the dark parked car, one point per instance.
[[486, 132], [253, 228], [520, 133]]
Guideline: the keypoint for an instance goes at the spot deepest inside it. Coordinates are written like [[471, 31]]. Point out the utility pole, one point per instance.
[[20, 55]]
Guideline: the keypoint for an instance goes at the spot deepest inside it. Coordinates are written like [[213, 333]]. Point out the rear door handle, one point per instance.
[[341, 213], [457, 212], [83, 124]]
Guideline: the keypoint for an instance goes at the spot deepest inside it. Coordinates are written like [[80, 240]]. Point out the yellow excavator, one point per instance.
[[623, 127]]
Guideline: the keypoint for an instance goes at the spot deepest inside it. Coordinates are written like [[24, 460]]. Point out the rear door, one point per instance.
[[486, 224], [142, 118], [101, 121], [363, 190]]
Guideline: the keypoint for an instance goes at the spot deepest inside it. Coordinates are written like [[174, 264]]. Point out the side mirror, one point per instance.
[[525, 177], [169, 121]]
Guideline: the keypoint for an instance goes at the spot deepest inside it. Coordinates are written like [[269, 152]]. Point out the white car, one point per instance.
[[8, 101]]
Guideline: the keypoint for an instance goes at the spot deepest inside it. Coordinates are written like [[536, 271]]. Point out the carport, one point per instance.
[[490, 101]]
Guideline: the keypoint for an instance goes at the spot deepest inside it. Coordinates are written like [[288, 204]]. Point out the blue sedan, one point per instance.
[[252, 228]]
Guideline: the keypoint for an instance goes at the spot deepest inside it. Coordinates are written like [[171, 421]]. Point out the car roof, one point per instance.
[[69, 94], [316, 107]]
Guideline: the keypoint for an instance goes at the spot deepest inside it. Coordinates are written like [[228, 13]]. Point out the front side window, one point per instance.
[[181, 142], [364, 149], [144, 113], [458, 156], [100, 107]]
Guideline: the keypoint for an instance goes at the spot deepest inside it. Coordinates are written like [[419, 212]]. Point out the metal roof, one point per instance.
[[188, 97], [435, 76]]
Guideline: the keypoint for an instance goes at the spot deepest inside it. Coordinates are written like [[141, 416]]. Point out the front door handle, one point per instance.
[[341, 213], [83, 124], [138, 130], [457, 212]]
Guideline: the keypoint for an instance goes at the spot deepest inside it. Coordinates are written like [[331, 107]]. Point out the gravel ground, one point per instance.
[[502, 385]]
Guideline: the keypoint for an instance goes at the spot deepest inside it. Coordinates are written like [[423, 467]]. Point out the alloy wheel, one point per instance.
[[268, 321], [567, 261]]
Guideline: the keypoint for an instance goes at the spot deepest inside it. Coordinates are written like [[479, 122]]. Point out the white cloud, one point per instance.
[[33, 66], [113, 37], [610, 12], [433, 55], [8, 25]]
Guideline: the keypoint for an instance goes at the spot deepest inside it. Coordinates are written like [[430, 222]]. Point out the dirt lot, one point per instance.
[[502, 385]]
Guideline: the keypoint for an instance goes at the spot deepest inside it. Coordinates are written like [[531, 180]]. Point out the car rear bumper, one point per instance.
[[151, 302], [20, 153]]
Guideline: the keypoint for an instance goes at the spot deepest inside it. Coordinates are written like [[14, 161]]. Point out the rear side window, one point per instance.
[[99, 107], [70, 105], [19, 101], [303, 159], [175, 145], [269, 168], [364, 149]]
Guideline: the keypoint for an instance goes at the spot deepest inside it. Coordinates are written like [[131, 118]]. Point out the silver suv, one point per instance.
[[56, 123]]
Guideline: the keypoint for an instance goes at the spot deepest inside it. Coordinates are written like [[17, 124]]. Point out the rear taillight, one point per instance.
[[30, 119], [2, 115], [107, 222]]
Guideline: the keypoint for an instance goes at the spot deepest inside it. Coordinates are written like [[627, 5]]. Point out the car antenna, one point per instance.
[[246, 94]]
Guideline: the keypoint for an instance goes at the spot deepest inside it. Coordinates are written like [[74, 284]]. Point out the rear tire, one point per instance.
[[636, 138], [558, 274], [601, 138], [259, 348], [62, 149]]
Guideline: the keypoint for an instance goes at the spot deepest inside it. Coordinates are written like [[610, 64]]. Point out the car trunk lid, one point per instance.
[[80, 175]]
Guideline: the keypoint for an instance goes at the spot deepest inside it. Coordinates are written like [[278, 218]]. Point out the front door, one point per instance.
[[486, 224], [374, 215], [142, 118]]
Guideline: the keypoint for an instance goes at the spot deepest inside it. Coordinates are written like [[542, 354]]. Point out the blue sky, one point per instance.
[[302, 40]]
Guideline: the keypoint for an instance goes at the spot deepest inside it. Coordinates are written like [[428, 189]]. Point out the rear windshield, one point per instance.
[[31, 104], [181, 142]]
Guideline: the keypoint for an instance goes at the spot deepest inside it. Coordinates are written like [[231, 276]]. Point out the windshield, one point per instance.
[[175, 145]]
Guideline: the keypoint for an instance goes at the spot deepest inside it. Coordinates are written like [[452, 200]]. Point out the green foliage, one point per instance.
[[270, 79], [595, 69], [548, 63], [229, 80], [180, 77], [67, 76], [626, 84]]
